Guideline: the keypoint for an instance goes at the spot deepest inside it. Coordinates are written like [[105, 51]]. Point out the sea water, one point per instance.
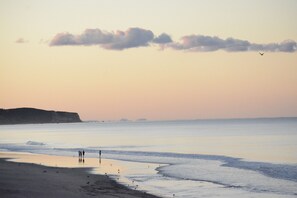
[[197, 158]]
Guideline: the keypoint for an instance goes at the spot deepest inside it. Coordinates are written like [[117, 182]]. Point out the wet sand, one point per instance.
[[31, 180]]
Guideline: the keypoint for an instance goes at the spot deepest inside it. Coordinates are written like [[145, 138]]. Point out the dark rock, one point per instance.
[[32, 116]]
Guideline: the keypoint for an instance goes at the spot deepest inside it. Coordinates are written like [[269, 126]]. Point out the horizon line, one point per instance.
[[198, 119]]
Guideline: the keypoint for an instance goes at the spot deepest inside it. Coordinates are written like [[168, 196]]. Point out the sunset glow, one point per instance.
[[189, 73]]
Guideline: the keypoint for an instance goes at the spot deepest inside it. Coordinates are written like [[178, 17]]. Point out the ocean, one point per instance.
[[195, 158]]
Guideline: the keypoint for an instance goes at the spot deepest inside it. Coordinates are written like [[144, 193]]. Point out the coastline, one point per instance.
[[18, 179]]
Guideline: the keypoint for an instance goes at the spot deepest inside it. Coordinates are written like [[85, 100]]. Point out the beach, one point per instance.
[[32, 180]]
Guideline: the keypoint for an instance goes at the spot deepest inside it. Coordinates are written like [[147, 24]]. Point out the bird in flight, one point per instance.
[[261, 53]]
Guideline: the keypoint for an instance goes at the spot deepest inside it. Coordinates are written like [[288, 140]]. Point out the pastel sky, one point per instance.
[[154, 59]]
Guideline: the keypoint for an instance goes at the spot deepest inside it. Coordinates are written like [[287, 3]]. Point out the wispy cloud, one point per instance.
[[202, 43], [138, 37], [21, 40]]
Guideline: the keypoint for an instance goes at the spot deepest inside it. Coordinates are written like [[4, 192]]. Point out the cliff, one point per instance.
[[31, 116]]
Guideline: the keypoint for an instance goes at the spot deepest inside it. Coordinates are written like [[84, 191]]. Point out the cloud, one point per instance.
[[138, 37], [63, 39], [133, 37], [202, 43], [162, 39], [88, 37], [285, 46], [21, 40], [198, 43]]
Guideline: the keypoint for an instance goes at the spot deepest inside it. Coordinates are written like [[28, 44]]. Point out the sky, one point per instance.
[[159, 60]]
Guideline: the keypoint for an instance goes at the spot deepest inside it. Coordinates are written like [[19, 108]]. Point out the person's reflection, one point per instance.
[[81, 160]]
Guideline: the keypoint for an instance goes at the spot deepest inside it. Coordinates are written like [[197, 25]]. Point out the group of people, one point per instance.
[[81, 154]]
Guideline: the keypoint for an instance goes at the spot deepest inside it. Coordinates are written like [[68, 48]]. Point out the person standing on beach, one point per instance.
[[83, 154], [99, 156]]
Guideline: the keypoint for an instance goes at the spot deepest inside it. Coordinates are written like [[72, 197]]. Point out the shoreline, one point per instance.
[[24, 179]]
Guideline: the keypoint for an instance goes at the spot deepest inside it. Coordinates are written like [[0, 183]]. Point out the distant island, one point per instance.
[[36, 116]]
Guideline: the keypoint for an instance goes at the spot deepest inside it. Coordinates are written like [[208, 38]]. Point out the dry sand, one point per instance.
[[31, 180]]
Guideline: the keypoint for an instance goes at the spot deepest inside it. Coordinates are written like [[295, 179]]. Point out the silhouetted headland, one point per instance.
[[34, 116]]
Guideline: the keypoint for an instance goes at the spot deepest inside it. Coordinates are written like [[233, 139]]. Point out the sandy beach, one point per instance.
[[32, 180]]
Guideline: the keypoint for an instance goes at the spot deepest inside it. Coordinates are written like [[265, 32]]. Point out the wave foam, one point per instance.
[[226, 171], [34, 143]]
